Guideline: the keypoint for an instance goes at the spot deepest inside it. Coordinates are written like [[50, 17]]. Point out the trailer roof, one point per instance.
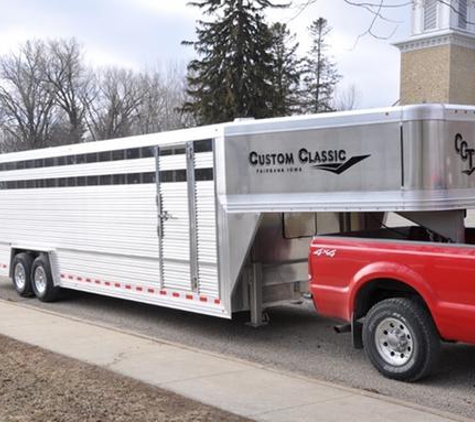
[[350, 118], [160, 138], [251, 126]]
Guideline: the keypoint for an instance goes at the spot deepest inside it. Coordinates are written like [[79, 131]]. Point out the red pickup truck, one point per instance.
[[400, 292]]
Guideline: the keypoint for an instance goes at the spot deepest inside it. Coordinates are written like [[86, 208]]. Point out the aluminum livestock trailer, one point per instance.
[[218, 219]]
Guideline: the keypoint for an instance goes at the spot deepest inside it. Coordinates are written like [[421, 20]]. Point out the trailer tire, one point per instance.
[[400, 339], [42, 280], [21, 265]]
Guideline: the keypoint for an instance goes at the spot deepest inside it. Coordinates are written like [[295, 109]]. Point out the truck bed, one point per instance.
[[442, 274], [409, 233]]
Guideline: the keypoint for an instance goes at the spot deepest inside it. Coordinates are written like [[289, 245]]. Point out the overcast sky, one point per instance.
[[144, 33]]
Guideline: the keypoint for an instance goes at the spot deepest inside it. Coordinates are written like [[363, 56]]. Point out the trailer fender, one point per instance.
[[35, 250]]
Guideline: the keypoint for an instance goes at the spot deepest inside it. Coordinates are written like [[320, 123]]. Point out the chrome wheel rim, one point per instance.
[[20, 276], [394, 341], [40, 280]]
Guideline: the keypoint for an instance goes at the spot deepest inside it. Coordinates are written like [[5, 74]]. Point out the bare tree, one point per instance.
[[320, 75], [112, 108], [346, 98], [64, 69], [175, 96], [7, 143], [164, 94], [49, 97], [379, 11], [26, 99], [150, 110]]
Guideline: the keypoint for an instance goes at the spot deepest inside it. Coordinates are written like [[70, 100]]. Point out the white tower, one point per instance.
[[438, 59], [430, 16]]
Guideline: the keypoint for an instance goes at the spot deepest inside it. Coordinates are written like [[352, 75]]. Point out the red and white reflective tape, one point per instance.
[[142, 289]]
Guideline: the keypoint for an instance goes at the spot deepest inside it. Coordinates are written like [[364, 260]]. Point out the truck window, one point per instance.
[[299, 224], [470, 219], [395, 220]]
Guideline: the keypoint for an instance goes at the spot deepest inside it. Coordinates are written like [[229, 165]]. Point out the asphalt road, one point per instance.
[[296, 340]]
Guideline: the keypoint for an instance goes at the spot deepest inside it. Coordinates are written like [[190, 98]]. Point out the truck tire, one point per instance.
[[21, 274], [42, 280], [400, 339]]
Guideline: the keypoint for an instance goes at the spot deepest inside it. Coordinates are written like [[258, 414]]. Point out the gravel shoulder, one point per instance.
[[36, 386]]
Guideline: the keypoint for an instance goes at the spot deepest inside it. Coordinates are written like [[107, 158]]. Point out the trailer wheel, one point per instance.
[[400, 339], [42, 280], [21, 274]]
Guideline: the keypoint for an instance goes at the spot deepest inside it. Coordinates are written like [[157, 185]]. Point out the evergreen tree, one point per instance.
[[320, 73], [286, 77], [233, 75]]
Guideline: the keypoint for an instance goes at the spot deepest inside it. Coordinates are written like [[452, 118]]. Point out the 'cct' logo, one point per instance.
[[465, 153]]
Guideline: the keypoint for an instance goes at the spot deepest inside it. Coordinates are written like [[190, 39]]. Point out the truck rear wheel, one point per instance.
[[400, 339], [21, 274], [42, 280]]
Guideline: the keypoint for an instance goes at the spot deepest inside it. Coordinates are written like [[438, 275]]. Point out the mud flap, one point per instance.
[[357, 332]]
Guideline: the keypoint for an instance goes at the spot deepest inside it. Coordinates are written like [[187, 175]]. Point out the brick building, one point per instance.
[[438, 59]]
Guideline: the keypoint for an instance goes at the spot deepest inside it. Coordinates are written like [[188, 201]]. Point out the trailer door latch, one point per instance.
[[164, 216]]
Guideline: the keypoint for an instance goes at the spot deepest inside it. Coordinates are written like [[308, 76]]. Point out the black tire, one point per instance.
[[21, 269], [400, 339], [42, 281]]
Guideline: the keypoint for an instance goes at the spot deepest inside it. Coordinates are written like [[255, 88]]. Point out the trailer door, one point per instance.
[[187, 218], [174, 219]]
